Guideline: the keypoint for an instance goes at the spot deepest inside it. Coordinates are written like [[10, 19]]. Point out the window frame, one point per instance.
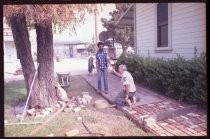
[[169, 47]]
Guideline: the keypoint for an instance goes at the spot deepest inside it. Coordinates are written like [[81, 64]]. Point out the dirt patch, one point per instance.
[[108, 121]]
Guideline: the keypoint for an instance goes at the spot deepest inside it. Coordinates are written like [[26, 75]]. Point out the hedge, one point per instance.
[[178, 78]]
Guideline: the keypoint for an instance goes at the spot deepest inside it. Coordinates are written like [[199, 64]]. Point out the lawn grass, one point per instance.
[[14, 92], [108, 120]]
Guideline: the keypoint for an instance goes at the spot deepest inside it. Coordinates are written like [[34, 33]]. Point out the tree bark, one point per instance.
[[45, 59], [23, 47]]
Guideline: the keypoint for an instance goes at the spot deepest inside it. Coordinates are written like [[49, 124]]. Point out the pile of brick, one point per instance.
[[80, 102]]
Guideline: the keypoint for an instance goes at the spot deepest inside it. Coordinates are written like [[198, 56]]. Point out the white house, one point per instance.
[[167, 29], [10, 54], [62, 48], [69, 49]]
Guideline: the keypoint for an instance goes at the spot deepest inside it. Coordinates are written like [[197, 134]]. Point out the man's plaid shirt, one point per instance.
[[101, 57]]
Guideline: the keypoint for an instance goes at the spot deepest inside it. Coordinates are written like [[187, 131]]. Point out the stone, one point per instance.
[[73, 132], [18, 116], [71, 105], [143, 116], [67, 109], [39, 115], [31, 111], [77, 109], [5, 121], [150, 121], [61, 103], [57, 105], [88, 101], [82, 106], [49, 109], [172, 120], [184, 117], [44, 112], [87, 96], [193, 114], [85, 93], [50, 135], [84, 101], [79, 118]]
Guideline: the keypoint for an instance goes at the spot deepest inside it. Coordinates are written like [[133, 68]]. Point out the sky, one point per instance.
[[86, 31]]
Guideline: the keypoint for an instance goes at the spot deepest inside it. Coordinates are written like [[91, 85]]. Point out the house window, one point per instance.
[[163, 26]]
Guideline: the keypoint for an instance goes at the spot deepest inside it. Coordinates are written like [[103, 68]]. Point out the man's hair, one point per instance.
[[123, 67], [100, 43]]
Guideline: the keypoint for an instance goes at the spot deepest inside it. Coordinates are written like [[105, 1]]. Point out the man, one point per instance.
[[102, 67], [128, 86]]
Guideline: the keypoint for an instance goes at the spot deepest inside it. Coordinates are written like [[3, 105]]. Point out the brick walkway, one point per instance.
[[158, 114]]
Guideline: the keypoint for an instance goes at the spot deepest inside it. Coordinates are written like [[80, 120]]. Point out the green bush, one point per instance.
[[178, 78]]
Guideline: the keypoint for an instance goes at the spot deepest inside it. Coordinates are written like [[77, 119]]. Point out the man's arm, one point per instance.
[[116, 73]]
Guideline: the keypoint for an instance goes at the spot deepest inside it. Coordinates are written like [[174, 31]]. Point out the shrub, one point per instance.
[[178, 78]]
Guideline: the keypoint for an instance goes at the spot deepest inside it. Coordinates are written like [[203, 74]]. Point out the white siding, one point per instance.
[[145, 28], [188, 30]]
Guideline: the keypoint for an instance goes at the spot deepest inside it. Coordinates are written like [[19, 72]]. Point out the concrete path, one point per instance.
[[156, 113], [76, 66]]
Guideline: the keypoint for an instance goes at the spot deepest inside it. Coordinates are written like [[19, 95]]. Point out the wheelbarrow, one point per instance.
[[64, 79]]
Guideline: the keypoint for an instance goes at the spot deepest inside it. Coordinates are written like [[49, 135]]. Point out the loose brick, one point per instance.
[[163, 124], [204, 125], [193, 114], [201, 119], [199, 129], [193, 126], [178, 132], [195, 121], [169, 134], [179, 119], [161, 131], [171, 120], [184, 117], [191, 130], [77, 109], [163, 134], [73, 132], [180, 126], [203, 133], [50, 135], [186, 131], [182, 134]]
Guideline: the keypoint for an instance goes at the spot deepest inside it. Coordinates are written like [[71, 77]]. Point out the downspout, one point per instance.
[[135, 36]]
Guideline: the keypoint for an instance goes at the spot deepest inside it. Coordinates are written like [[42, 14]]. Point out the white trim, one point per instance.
[[169, 28]]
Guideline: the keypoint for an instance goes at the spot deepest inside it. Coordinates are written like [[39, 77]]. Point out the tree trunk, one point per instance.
[[23, 47], [46, 65]]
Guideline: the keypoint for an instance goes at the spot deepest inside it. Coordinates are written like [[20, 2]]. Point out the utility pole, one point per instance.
[[96, 26]]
